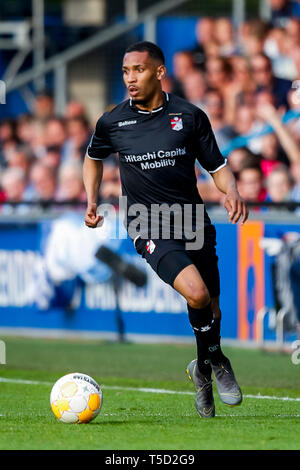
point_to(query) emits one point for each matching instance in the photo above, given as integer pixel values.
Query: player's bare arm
(92, 176)
(234, 204)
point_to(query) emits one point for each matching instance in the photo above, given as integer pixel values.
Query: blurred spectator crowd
(41, 157)
(247, 80)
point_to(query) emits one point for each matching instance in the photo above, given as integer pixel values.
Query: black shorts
(169, 257)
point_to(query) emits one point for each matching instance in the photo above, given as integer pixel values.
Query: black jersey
(157, 150)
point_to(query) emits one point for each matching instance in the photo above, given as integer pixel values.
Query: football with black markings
(76, 398)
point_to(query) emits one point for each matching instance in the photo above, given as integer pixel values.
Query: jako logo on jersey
(176, 123)
(150, 246)
(126, 123)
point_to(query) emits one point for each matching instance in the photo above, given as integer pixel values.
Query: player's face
(142, 75)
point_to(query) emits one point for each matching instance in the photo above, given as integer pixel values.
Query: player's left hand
(235, 207)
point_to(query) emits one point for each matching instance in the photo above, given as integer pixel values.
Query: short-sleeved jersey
(157, 150)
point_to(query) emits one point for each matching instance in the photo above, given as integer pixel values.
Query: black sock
(207, 333)
(214, 345)
(216, 334)
(201, 319)
(217, 326)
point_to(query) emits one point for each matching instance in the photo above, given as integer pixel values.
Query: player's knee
(199, 297)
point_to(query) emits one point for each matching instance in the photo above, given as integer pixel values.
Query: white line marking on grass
(255, 416)
(25, 382)
(271, 397)
(146, 390)
(175, 392)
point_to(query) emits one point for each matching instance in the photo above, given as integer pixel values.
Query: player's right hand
(91, 218)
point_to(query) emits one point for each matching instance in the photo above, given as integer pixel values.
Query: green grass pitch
(141, 410)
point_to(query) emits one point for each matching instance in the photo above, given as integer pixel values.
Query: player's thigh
(206, 262)
(190, 284)
(176, 268)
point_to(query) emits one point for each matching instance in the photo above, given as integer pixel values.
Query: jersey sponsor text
(161, 154)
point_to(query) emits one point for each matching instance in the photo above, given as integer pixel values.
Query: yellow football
(76, 398)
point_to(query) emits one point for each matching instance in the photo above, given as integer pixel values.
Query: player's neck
(154, 102)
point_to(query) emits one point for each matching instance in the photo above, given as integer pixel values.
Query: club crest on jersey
(150, 246)
(176, 123)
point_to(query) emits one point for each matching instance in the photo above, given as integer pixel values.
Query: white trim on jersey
(219, 168)
(134, 241)
(154, 110)
(92, 158)
(157, 109)
(89, 146)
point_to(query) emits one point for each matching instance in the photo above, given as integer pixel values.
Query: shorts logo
(176, 123)
(150, 246)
